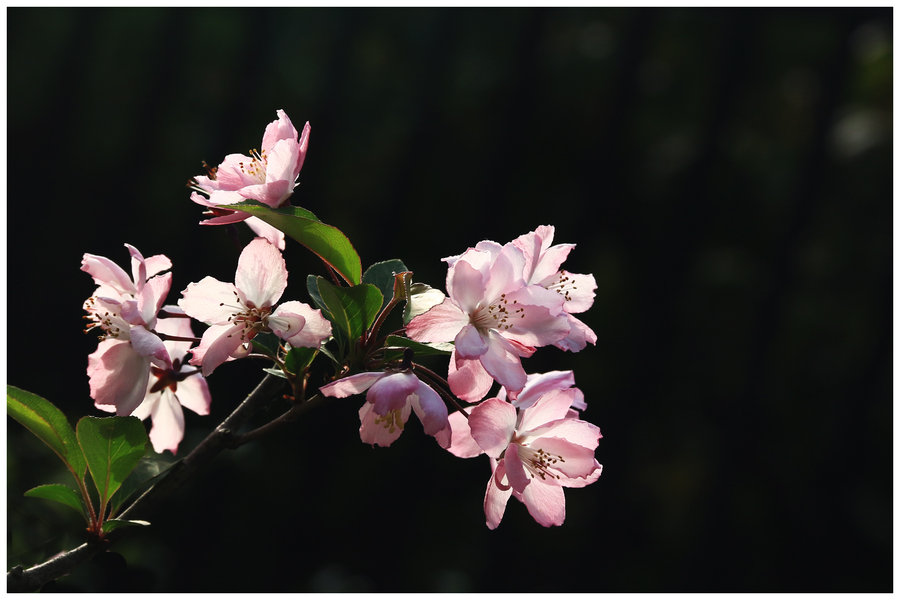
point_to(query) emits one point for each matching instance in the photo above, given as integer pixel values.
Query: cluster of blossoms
(502, 303)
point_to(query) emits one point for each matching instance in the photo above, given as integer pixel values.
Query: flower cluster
(502, 303)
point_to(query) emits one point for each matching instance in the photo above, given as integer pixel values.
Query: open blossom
(493, 318)
(237, 311)
(171, 387)
(542, 262)
(536, 452)
(537, 386)
(268, 175)
(390, 398)
(125, 309)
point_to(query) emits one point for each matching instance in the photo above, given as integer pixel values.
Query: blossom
(542, 262)
(237, 311)
(125, 309)
(493, 318)
(536, 452)
(268, 176)
(171, 388)
(390, 398)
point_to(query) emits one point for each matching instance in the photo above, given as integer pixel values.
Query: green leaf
(58, 493)
(420, 348)
(276, 372)
(112, 524)
(112, 446)
(312, 286)
(266, 343)
(299, 359)
(148, 469)
(326, 241)
(353, 309)
(381, 275)
(49, 424)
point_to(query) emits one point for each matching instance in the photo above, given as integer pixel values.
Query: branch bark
(19, 579)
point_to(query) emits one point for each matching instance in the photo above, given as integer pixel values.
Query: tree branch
(19, 579)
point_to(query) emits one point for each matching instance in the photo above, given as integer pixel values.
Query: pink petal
(231, 176)
(430, 409)
(106, 272)
(537, 319)
(261, 274)
(470, 343)
(496, 496)
(271, 193)
(505, 275)
(210, 301)
(264, 230)
(304, 146)
(168, 423)
(316, 328)
(118, 376)
(352, 385)
(150, 345)
(280, 129)
(577, 461)
(466, 286)
(193, 394)
(378, 430)
(580, 289)
(462, 444)
(178, 326)
(493, 424)
(217, 345)
(539, 384)
(392, 392)
(281, 161)
(519, 478)
(580, 335)
(440, 324)
(549, 408)
(546, 503)
(575, 431)
(285, 323)
(468, 379)
(502, 363)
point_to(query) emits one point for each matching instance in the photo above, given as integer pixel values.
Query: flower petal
(209, 300)
(430, 409)
(493, 424)
(496, 496)
(392, 392)
(468, 379)
(261, 274)
(381, 430)
(470, 343)
(462, 444)
(352, 385)
(546, 503)
(440, 323)
(264, 230)
(502, 363)
(168, 423)
(118, 376)
(316, 328)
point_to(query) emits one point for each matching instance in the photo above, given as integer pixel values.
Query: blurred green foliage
(726, 174)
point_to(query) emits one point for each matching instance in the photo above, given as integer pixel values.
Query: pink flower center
(251, 319)
(256, 168)
(539, 462)
(99, 315)
(563, 285)
(392, 421)
(498, 315)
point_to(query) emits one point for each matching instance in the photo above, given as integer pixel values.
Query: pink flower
(537, 452)
(125, 307)
(493, 318)
(171, 388)
(237, 312)
(268, 176)
(537, 386)
(390, 397)
(542, 262)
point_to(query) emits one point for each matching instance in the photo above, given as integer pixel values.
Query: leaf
(276, 372)
(266, 343)
(58, 493)
(112, 446)
(112, 524)
(421, 349)
(353, 309)
(298, 359)
(148, 469)
(312, 286)
(326, 241)
(49, 424)
(381, 275)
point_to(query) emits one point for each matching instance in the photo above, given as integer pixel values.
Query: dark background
(726, 174)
